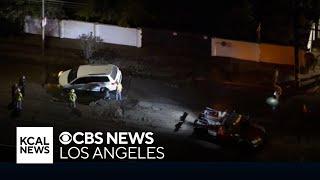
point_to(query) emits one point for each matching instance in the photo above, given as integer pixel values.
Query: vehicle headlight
(60, 73)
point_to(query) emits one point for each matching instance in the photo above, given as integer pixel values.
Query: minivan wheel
(102, 90)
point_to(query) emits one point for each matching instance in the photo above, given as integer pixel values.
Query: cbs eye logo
(65, 138)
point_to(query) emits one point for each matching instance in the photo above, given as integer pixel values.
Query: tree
(90, 44)
(312, 12)
(119, 12)
(14, 11)
(132, 13)
(238, 21)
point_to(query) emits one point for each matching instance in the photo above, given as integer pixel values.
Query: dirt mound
(106, 109)
(111, 109)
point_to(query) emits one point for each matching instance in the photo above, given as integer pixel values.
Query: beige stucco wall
(235, 49)
(268, 53)
(276, 54)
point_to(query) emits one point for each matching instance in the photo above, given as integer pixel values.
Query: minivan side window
(72, 74)
(100, 79)
(83, 80)
(86, 80)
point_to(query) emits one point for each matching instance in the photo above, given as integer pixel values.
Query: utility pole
(296, 13)
(43, 24)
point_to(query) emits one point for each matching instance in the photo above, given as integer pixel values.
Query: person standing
(119, 91)
(106, 95)
(14, 89)
(22, 84)
(72, 97)
(19, 99)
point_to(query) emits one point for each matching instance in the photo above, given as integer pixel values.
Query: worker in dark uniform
(22, 84)
(14, 89)
(106, 94)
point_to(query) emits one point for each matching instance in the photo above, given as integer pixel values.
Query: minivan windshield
(72, 74)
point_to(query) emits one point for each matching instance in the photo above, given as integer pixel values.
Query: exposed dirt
(156, 94)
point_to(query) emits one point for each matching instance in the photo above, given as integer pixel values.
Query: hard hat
(72, 90)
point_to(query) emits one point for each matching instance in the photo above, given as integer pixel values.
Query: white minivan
(96, 78)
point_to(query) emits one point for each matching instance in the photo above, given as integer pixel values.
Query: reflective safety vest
(19, 96)
(119, 87)
(72, 97)
(304, 108)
